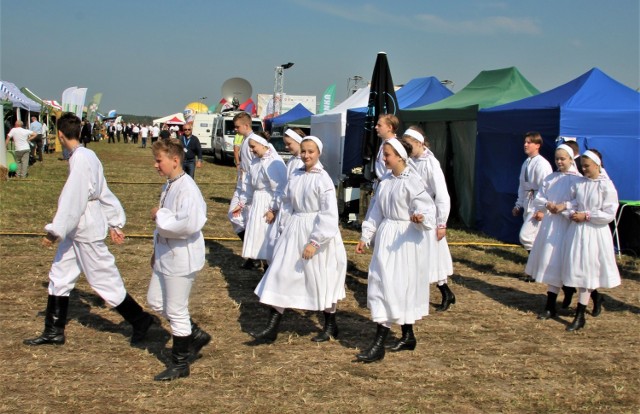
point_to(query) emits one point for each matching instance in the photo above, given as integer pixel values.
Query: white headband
(593, 156)
(293, 135)
(414, 134)
(259, 140)
(566, 148)
(314, 139)
(398, 147)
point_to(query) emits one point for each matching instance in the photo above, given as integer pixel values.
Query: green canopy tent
(451, 127)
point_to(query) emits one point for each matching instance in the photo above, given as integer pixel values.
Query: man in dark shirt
(192, 151)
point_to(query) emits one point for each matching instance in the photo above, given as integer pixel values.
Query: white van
(203, 128)
(224, 134)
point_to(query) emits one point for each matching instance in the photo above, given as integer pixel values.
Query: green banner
(327, 99)
(92, 109)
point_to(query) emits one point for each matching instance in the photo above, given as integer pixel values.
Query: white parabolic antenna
(236, 88)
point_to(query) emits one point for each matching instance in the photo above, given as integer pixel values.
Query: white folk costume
(246, 157)
(309, 214)
(589, 260)
(396, 292)
(263, 189)
(428, 168)
(86, 210)
(178, 251)
(294, 163)
(534, 170)
(545, 261)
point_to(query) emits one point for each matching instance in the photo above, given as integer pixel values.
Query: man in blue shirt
(36, 127)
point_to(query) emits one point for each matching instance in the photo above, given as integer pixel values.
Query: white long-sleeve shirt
(179, 244)
(533, 172)
(86, 206)
(428, 168)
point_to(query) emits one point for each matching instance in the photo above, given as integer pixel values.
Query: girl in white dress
(399, 219)
(545, 261)
(309, 263)
(428, 168)
(589, 261)
(292, 139)
(263, 189)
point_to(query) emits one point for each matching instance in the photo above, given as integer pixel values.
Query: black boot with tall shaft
(199, 339)
(375, 352)
(568, 295)
(140, 320)
(330, 329)
(55, 320)
(579, 321)
(597, 302)
(550, 309)
(179, 365)
(448, 298)
(270, 333)
(407, 342)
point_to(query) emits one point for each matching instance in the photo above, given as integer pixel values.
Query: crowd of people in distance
(286, 216)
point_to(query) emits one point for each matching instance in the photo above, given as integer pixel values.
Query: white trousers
(95, 261)
(169, 296)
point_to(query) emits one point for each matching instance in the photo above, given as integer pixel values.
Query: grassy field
(487, 354)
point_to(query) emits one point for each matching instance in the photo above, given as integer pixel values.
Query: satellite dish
(236, 88)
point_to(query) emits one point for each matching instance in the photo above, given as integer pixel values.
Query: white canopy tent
(177, 118)
(330, 127)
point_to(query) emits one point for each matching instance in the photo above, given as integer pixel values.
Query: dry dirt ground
(487, 354)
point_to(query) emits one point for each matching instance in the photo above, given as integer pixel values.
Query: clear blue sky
(154, 57)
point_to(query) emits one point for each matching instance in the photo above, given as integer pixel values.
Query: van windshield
(229, 129)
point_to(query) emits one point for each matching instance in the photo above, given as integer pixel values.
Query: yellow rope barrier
(235, 239)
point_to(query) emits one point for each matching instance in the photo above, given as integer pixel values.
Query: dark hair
(595, 151)
(534, 137)
(69, 124)
(574, 146)
(172, 147)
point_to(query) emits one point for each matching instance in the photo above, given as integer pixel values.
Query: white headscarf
(260, 140)
(293, 135)
(314, 139)
(594, 157)
(397, 145)
(414, 134)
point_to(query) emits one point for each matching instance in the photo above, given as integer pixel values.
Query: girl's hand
(154, 212)
(441, 233)
(237, 211)
(417, 218)
(361, 247)
(117, 236)
(269, 216)
(309, 251)
(538, 215)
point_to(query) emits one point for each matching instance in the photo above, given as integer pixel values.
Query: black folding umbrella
(382, 100)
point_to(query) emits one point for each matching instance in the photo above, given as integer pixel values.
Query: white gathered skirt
(259, 237)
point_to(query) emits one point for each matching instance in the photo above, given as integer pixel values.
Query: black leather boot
(250, 264)
(579, 321)
(376, 351)
(448, 298)
(55, 320)
(179, 366)
(140, 320)
(199, 339)
(241, 235)
(270, 333)
(330, 329)
(407, 342)
(568, 295)
(597, 302)
(550, 310)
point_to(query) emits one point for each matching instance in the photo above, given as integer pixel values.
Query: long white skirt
(545, 260)
(293, 282)
(439, 263)
(260, 237)
(397, 292)
(588, 257)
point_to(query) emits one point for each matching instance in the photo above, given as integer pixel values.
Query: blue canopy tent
(294, 114)
(596, 109)
(417, 92)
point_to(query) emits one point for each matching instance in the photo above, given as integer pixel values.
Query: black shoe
(448, 298)
(330, 329)
(376, 351)
(199, 339)
(54, 322)
(550, 308)
(407, 342)
(179, 366)
(270, 333)
(140, 320)
(597, 302)
(579, 321)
